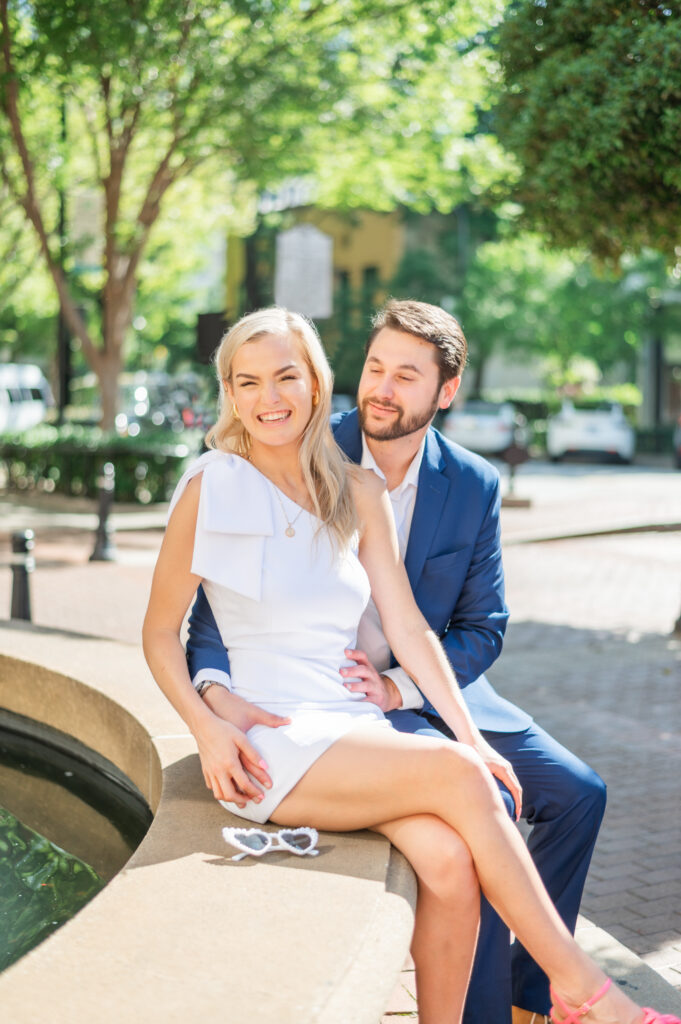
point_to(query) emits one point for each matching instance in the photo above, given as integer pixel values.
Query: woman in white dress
(288, 541)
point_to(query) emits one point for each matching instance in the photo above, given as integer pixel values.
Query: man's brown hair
(430, 323)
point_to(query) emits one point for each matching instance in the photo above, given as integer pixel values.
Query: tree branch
(163, 178)
(89, 119)
(29, 200)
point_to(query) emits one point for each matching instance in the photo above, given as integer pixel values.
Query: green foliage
(69, 460)
(376, 102)
(591, 108)
(28, 304)
(41, 887)
(564, 307)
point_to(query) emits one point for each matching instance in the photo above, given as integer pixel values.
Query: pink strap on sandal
(650, 1016)
(574, 1015)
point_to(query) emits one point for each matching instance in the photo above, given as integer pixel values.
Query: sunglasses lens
(254, 840)
(299, 841)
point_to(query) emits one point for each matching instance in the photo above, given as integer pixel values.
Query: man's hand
(243, 715)
(379, 690)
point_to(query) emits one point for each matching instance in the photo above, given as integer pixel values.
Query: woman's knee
(446, 868)
(459, 765)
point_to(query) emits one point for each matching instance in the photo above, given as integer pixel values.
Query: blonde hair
(322, 463)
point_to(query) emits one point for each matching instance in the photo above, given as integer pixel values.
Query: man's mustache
(382, 405)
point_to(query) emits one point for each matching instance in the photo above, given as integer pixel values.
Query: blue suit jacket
(453, 561)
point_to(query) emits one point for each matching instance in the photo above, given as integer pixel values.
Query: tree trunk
(118, 300)
(108, 372)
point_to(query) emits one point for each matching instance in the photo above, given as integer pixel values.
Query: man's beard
(400, 427)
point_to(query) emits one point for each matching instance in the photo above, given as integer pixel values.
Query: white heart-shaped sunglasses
(255, 841)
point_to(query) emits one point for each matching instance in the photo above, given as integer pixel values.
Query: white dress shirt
(370, 636)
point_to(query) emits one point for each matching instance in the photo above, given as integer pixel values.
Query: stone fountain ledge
(183, 933)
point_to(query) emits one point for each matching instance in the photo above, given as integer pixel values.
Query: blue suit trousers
(563, 803)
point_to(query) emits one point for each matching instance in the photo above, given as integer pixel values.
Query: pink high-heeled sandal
(650, 1016)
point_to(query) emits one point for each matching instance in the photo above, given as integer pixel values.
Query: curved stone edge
(633, 975)
(178, 935)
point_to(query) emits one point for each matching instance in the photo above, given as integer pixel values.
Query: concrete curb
(540, 537)
(637, 979)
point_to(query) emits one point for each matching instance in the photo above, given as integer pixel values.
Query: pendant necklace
(289, 531)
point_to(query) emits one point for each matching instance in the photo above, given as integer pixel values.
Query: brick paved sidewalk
(589, 654)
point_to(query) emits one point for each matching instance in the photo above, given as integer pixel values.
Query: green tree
(520, 298)
(345, 90)
(591, 109)
(27, 302)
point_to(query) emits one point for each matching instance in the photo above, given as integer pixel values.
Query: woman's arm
(222, 747)
(411, 639)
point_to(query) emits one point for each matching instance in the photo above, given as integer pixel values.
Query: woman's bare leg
(447, 913)
(370, 777)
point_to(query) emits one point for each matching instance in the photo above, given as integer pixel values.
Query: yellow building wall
(361, 239)
(234, 274)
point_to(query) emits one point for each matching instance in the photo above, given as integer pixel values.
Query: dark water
(69, 821)
(41, 886)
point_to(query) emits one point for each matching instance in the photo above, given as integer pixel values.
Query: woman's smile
(274, 417)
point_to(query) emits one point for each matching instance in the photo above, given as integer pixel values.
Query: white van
(25, 396)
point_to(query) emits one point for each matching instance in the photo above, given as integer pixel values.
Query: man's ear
(447, 392)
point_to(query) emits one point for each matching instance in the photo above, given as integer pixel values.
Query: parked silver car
(602, 430)
(486, 427)
(25, 396)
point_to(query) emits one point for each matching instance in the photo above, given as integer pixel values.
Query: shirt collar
(411, 477)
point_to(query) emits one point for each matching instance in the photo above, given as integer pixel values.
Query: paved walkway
(588, 652)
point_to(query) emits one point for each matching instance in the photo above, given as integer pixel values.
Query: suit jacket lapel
(430, 499)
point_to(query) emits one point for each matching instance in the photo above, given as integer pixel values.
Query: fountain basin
(182, 932)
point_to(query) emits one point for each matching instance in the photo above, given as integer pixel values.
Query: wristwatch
(205, 683)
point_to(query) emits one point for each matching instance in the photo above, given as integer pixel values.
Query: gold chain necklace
(289, 531)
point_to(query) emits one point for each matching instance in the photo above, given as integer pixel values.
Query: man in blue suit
(446, 503)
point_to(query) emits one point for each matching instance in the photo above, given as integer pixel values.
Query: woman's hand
(238, 711)
(226, 755)
(501, 769)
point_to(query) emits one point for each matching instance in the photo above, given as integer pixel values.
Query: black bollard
(23, 563)
(105, 549)
(514, 456)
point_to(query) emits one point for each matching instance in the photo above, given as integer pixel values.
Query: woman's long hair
(321, 460)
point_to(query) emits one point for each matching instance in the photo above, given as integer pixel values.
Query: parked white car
(486, 427)
(25, 396)
(601, 429)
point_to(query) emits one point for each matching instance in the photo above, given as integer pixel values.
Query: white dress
(286, 609)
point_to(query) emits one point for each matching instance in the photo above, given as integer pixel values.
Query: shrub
(69, 460)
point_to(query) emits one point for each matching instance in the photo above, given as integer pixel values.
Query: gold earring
(315, 398)
(235, 413)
